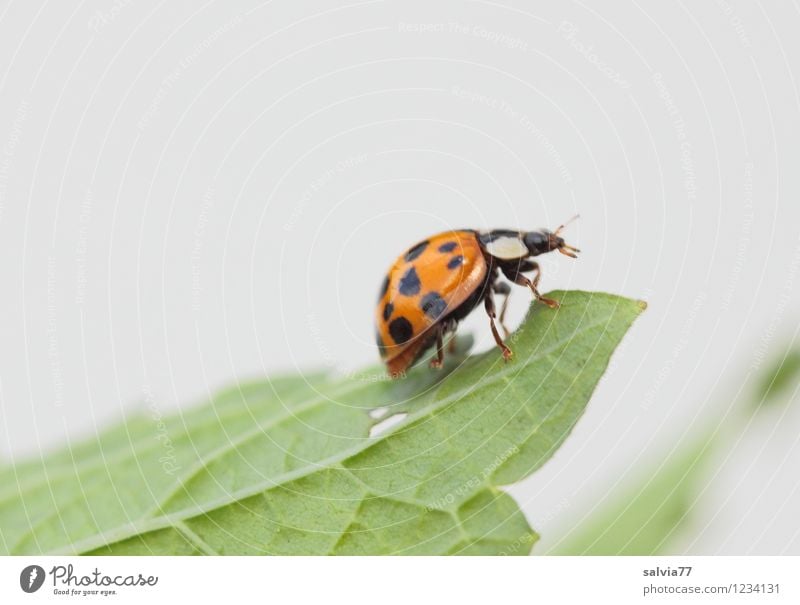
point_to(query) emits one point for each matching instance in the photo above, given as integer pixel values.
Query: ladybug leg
(504, 290)
(515, 274)
(437, 361)
(451, 327)
(489, 304)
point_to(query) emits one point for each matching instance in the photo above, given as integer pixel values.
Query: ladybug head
(544, 240)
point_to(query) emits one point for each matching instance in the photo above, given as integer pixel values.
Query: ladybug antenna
(561, 227)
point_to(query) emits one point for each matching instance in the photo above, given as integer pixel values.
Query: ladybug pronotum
(439, 281)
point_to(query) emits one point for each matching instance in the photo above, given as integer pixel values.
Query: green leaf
(643, 517)
(288, 465)
(780, 377)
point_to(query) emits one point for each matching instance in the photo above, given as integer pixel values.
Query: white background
(194, 193)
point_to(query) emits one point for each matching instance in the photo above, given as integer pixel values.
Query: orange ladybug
(439, 281)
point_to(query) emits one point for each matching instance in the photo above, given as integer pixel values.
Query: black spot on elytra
(387, 311)
(416, 251)
(433, 305)
(384, 287)
(455, 262)
(401, 330)
(448, 247)
(409, 283)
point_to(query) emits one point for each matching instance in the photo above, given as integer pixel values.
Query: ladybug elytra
(439, 281)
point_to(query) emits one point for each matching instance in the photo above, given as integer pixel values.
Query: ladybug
(439, 281)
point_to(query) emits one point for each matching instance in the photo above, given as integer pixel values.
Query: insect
(439, 281)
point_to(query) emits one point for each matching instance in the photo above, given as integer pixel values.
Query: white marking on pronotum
(507, 247)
